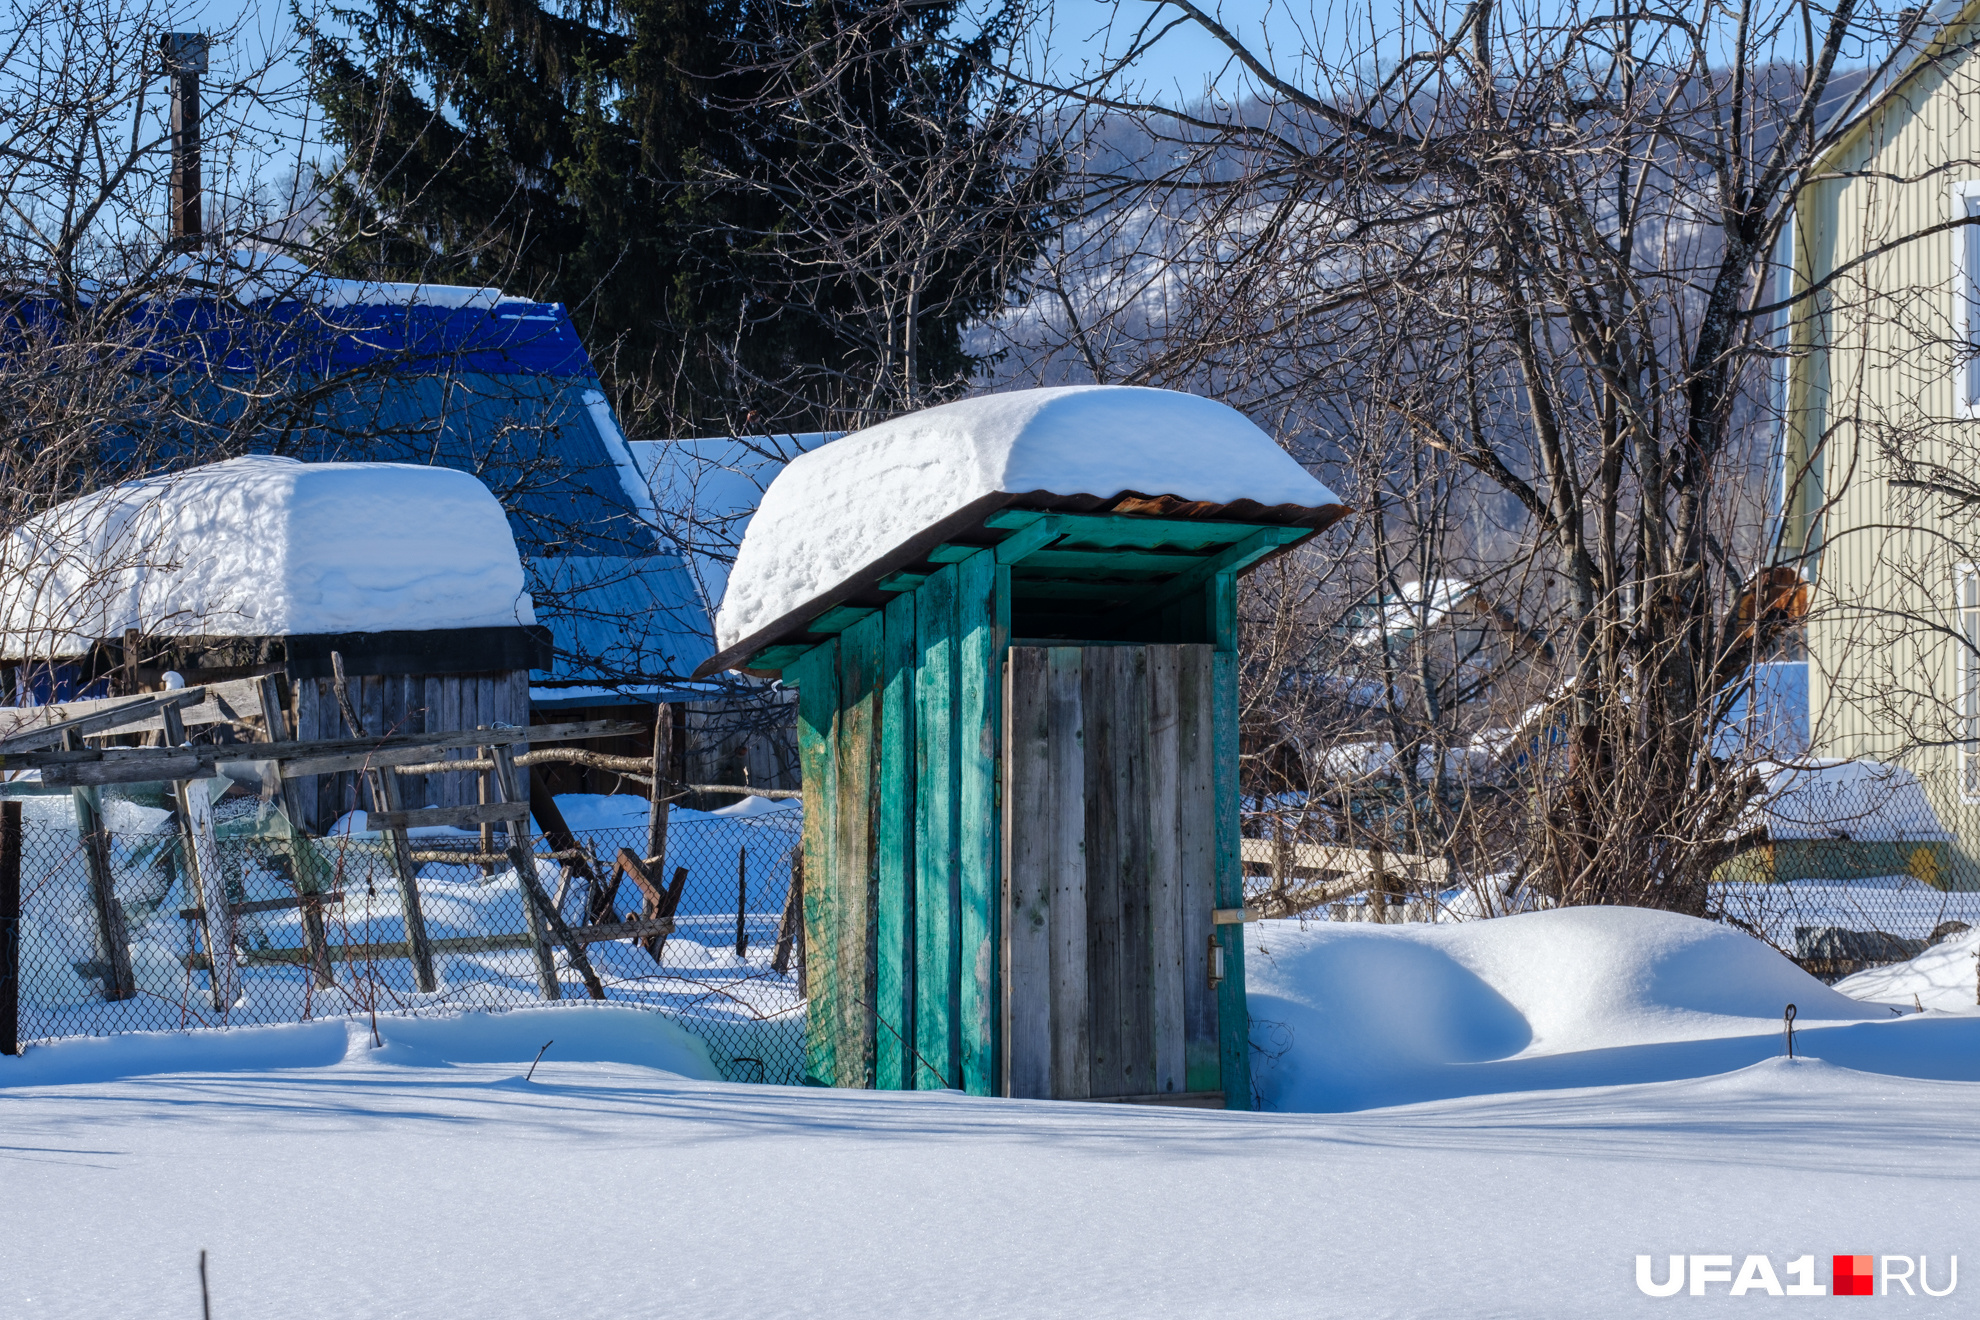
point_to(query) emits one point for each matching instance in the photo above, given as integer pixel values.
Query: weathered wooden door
(1110, 823)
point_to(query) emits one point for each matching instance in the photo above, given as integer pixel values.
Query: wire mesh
(713, 974)
(1842, 866)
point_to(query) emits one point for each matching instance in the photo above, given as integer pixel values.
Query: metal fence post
(10, 927)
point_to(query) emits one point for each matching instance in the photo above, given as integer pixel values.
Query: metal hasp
(1021, 812)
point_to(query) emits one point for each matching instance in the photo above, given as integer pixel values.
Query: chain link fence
(1841, 865)
(144, 962)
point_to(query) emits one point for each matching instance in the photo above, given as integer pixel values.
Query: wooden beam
(480, 813)
(303, 862)
(1084, 531)
(840, 619)
(1029, 540)
(534, 899)
(267, 905)
(115, 715)
(140, 765)
(418, 948)
(633, 928)
(1233, 560)
(112, 934)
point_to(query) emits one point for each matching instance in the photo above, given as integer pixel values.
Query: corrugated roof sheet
(503, 391)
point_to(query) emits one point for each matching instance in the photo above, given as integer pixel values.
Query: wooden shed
(267, 566)
(1018, 721)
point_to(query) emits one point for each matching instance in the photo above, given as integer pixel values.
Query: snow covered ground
(1534, 1101)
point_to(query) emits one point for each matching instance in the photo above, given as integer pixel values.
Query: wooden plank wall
(1081, 798)
(405, 703)
(898, 724)
(1112, 859)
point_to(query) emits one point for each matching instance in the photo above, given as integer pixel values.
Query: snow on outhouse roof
(847, 510)
(263, 547)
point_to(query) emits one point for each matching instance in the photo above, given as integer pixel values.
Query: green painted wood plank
(1235, 559)
(979, 692)
(1084, 531)
(1011, 520)
(952, 554)
(1028, 540)
(854, 874)
(1233, 1015)
(778, 657)
(936, 893)
(1220, 615)
(903, 582)
(1127, 560)
(839, 618)
(816, 677)
(894, 985)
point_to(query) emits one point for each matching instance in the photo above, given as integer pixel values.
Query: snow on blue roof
(471, 379)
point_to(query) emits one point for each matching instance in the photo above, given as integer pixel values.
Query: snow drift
(580, 1033)
(842, 506)
(1350, 1016)
(263, 546)
(1945, 976)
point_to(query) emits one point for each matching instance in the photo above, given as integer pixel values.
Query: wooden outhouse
(1012, 624)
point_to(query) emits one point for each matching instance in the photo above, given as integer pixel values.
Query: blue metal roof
(502, 389)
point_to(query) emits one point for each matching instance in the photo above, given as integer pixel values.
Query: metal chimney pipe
(185, 61)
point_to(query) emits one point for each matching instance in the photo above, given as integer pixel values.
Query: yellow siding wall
(1879, 366)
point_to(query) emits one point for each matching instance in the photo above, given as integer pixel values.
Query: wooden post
(663, 761)
(185, 61)
(302, 861)
(657, 902)
(385, 796)
(209, 881)
(10, 927)
(130, 665)
(1378, 889)
(484, 796)
(792, 925)
(550, 820)
(112, 936)
(521, 857)
(742, 899)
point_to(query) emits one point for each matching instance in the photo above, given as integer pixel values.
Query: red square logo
(1853, 1276)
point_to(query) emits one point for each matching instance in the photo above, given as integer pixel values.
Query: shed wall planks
(1165, 897)
(1018, 851)
(937, 891)
(854, 873)
(1233, 1022)
(894, 902)
(1032, 866)
(979, 692)
(1064, 820)
(816, 676)
(1196, 862)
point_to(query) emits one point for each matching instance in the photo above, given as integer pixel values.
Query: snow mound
(580, 1033)
(839, 508)
(1348, 1015)
(1945, 976)
(263, 546)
